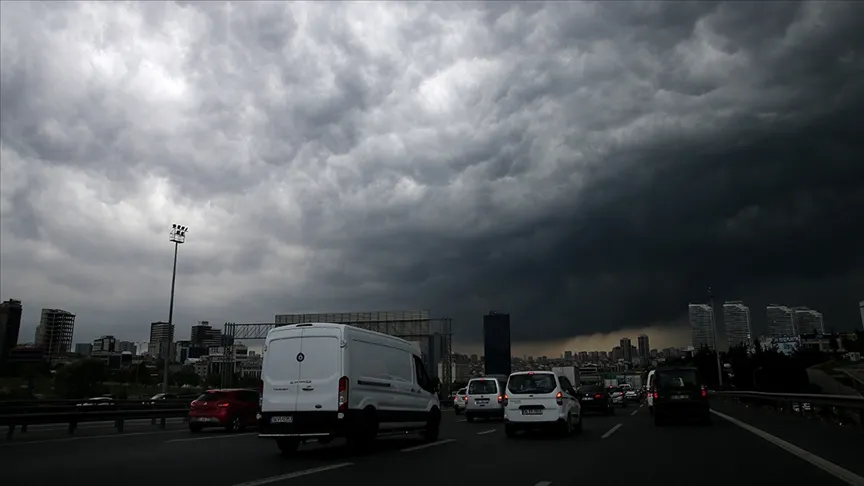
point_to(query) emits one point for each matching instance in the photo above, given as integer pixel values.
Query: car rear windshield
(481, 387)
(462, 391)
(213, 397)
(530, 384)
(677, 378)
(593, 389)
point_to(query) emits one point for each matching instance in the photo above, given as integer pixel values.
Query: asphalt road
(626, 446)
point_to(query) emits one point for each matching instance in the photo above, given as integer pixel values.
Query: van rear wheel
(363, 431)
(433, 426)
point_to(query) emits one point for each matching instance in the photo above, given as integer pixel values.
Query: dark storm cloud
(588, 167)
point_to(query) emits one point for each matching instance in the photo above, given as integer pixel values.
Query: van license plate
(532, 411)
(284, 419)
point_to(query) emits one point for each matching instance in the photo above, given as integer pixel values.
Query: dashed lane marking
(293, 475)
(462, 420)
(611, 431)
(844, 475)
(431, 444)
(486, 432)
(211, 437)
(634, 412)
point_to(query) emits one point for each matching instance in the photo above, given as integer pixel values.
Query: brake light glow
(465, 398)
(599, 395)
(343, 394)
(656, 395)
(559, 398)
(222, 404)
(504, 400)
(704, 392)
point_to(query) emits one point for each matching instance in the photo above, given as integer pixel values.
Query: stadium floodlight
(178, 237)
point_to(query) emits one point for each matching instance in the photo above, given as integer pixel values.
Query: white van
(485, 397)
(650, 388)
(322, 381)
(541, 400)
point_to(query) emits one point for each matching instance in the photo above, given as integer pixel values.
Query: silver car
(459, 400)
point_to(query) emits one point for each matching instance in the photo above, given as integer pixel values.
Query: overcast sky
(590, 168)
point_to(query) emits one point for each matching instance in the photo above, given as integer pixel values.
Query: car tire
(363, 431)
(195, 428)
(509, 431)
(578, 428)
(469, 417)
(457, 410)
(287, 446)
(433, 426)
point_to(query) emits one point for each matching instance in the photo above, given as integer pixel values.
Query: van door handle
(308, 388)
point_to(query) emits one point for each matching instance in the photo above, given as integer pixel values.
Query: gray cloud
(589, 167)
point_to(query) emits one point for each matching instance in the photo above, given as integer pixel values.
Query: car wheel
(195, 428)
(509, 431)
(457, 410)
(468, 417)
(287, 446)
(364, 431)
(433, 426)
(236, 425)
(578, 428)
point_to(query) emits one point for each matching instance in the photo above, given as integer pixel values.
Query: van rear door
(280, 373)
(320, 370)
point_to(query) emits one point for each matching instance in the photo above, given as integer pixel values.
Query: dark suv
(678, 393)
(232, 409)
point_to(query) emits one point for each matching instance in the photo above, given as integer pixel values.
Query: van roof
(538, 372)
(342, 327)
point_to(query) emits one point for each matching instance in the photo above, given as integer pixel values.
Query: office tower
(496, 343)
(104, 344)
(702, 326)
(736, 320)
(626, 351)
(161, 339)
(644, 349)
(781, 321)
(54, 333)
(10, 326)
(809, 321)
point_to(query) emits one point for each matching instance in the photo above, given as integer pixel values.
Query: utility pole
(177, 236)
(714, 332)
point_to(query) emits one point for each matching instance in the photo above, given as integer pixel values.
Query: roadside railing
(842, 409)
(20, 413)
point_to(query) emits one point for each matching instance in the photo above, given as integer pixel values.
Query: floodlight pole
(716, 344)
(177, 236)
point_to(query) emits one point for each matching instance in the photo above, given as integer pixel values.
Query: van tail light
(656, 395)
(704, 392)
(504, 400)
(500, 398)
(559, 398)
(343, 394)
(223, 404)
(465, 398)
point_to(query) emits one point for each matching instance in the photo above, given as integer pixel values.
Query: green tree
(81, 379)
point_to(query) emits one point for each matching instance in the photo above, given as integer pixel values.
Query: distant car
(97, 401)
(617, 397)
(678, 394)
(595, 398)
(631, 395)
(232, 409)
(159, 397)
(540, 400)
(459, 400)
(649, 387)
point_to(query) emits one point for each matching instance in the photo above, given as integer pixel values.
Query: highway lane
(626, 445)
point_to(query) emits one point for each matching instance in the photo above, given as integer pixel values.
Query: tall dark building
(10, 326)
(496, 343)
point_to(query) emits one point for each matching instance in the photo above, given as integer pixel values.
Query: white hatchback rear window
(531, 384)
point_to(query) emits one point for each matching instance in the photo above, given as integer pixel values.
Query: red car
(232, 409)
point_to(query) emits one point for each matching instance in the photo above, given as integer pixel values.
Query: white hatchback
(541, 400)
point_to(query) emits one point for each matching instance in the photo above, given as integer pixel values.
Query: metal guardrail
(844, 408)
(73, 412)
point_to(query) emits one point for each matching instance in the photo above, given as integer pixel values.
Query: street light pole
(177, 236)
(714, 332)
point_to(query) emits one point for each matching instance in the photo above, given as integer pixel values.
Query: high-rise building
(496, 343)
(644, 349)
(702, 325)
(568, 355)
(104, 344)
(809, 321)
(54, 333)
(626, 352)
(781, 321)
(204, 336)
(10, 326)
(161, 339)
(736, 320)
(83, 349)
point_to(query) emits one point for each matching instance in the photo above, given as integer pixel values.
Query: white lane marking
(543, 483)
(211, 437)
(431, 444)
(486, 432)
(463, 420)
(293, 475)
(642, 405)
(70, 439)
(611, 431)
(634, 412)
(847, 476)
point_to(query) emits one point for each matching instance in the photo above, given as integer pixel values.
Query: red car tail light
(559, 398)
(343, 394)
